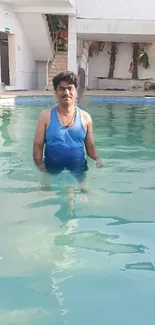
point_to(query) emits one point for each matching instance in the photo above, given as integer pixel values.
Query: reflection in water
(121, 221)
(19, 190)
(153, 123)
(131, 124)
(69, 208)
(137, 122)
(67, 198)
(140, 266)
(4, 124)
(98, 242)
(111, 121)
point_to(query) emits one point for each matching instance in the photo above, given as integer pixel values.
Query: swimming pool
(86, 258)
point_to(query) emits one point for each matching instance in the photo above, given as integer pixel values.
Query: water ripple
(98, 242)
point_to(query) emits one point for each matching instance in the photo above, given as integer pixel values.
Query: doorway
(4, 57)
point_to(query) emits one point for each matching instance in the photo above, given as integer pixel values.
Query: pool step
(60, 63)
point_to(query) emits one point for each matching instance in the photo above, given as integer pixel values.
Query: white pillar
(72, 44)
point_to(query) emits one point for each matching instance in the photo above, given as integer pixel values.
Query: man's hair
(68, 76)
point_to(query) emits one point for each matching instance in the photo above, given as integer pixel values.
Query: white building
(30, 46)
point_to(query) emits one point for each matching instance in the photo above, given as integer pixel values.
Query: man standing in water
(66, 131)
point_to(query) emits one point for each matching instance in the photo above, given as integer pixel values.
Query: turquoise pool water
(73, 258)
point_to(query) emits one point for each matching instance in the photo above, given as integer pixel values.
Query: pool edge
(98, 97)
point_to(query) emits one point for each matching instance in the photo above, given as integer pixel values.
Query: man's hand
(89, 144)
(38, 144)
(99, 163)
(41, 167)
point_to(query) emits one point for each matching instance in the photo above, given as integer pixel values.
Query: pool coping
(96, 93)
(47, 98)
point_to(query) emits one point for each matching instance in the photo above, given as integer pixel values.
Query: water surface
(79, 258)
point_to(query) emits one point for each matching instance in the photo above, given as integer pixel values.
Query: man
(66, 131)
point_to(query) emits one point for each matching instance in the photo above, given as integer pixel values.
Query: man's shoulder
(44, 116)
(46, 112)
(85, 115)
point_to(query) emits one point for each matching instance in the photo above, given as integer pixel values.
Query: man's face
(66, 93)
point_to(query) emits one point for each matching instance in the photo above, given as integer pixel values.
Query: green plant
(143, 60)
(140, 57)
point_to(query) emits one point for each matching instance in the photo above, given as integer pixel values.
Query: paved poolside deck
(36, 93)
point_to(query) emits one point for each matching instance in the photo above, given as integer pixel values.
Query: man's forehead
(65, 84)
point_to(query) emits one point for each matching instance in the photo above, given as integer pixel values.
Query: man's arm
(38, 144)
(90, 145)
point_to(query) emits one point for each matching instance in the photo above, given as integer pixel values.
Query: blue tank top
(64, 146)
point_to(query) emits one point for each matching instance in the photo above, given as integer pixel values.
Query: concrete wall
(23, 66)
(72, 44)
(36, 31)
(99, 65)
(41, 71)
(116, 20)
(116, 9)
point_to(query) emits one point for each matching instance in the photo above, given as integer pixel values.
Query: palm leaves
(95, 48)
(140, 57)
(143, 58)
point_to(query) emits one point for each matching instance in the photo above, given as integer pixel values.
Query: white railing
(50, 59)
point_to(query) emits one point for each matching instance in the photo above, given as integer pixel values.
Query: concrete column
(72, 44)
